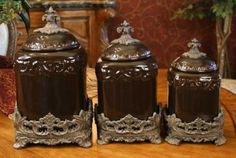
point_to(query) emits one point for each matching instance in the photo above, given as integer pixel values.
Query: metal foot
(104, 141)
(172, 140)
(220, 141)
(156, 140)
(86, 144)
(19, 144)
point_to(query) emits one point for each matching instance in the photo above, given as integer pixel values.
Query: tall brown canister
(194, 113)
(52, 104)
(127, 105)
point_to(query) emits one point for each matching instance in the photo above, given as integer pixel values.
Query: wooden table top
(138, 150)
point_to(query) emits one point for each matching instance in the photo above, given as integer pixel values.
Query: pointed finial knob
(194, 51)
(52, 19)
(51, 16)
(194, 44)
(125, 28)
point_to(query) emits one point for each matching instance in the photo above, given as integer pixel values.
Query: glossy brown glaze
(42, 42)
(194, 84)
(51, 72)
(51, 83)
(191, 97)
(127, 88)
(126, 74)
(130, 52)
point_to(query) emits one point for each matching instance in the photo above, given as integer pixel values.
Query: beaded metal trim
(50, 130)
(196, 131)
(128, 129)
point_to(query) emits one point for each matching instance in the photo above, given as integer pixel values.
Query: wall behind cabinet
(167, 39)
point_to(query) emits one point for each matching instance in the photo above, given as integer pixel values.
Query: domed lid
(51, 37)
(194, 61)
(126, 48)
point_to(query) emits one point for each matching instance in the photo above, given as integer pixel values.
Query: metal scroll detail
(138, 73)
(50, 130)
(125, 38)
(183, 66)
(141, 72)
(196, 131)
(128, 129)
(206, 82)
(26, 64)
(194, 52)
(52, 19)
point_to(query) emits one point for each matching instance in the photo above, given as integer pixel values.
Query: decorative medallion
(197, 131)
(51, 130)
(128, 129)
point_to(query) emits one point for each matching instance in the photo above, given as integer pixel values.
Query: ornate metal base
(196, 131)
(128, 129)
(50, 130)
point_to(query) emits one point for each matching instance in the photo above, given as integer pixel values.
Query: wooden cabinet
(87, 20)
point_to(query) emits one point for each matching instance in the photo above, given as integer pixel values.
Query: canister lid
(51, 37)
(194, 61)
(126, 48)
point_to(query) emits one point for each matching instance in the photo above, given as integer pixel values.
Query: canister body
(193, 95)
(127, 88)
(51, 82)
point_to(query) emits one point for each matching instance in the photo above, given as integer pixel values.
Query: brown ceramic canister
(193, 110)
(194, 84)
(126, 74)
(51, 86)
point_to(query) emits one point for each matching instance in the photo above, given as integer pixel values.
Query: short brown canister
(193, 111)
(52, 104)
(127, 106)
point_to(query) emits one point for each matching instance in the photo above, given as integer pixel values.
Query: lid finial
(125, 29)
(52, 19)
(194, 51)
(51, 16)
(194, 45)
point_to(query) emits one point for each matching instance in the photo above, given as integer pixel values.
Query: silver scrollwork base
(128, 129)
(50, 130)
(197, 131)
